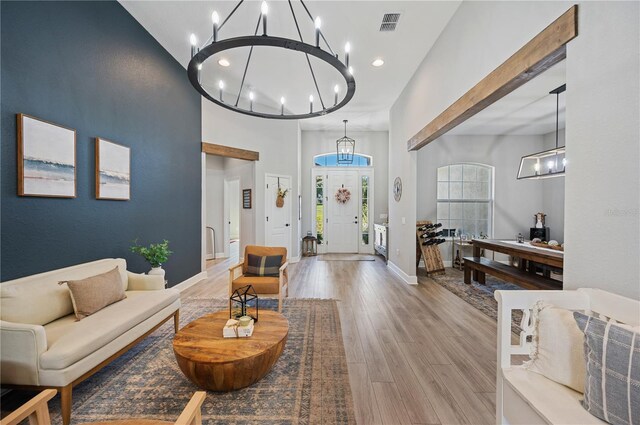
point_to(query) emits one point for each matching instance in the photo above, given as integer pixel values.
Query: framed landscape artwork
(113, 170)
(46, 158)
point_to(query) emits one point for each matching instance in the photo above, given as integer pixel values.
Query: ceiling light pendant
(214, 46)
(345, 147)
(549, 163)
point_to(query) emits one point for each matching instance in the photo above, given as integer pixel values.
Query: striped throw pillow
(264, 266)
(612, 384)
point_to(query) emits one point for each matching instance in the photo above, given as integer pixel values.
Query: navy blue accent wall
(91, 66)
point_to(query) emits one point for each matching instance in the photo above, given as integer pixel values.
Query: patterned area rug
(478, 295)
(308, 385)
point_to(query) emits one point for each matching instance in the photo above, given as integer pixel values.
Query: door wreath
(280, 198)
(343, 195)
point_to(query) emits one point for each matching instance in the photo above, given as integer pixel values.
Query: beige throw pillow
(95, 293)
(558, 343)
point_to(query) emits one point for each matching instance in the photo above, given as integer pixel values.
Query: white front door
(343, 218)
(278, 219)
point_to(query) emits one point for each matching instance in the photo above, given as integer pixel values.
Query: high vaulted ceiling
(274, 73)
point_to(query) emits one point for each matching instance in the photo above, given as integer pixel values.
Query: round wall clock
(397, 189)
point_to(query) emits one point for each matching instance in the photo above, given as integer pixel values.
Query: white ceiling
(274, 73)
(528, 110)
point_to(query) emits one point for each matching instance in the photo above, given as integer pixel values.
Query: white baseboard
(411, 280)
(293, 260)
(191, 281)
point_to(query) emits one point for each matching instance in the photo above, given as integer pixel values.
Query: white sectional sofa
(526, 397)
(42, 344)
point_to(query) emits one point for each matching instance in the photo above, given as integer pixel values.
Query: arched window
(465, 199)
(331, 160)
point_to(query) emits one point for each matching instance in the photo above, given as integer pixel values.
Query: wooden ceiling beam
(229, 152)
(541, 53)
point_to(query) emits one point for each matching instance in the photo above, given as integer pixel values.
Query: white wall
(373, 143)
(234, 209)
(277, 143)
(602, 221)
(515, 201)
(214, 195)
(243, 171)
(602, 124)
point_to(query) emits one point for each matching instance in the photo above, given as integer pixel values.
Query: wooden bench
(480, 266)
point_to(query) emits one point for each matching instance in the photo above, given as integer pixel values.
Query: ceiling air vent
(389, 22)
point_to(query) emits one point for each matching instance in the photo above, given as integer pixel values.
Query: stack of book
(233, 329)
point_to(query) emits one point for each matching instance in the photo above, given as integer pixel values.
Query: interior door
(342, 218)
(278, 220)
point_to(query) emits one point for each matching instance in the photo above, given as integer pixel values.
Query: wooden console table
(528, 279)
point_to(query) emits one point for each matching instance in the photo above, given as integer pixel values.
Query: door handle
(356, 222)
(287, 224)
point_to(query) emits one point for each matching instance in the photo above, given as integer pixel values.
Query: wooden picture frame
(46, 156)
(113, 170)
(246, 199)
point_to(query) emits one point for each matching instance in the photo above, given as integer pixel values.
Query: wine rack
(430, 253)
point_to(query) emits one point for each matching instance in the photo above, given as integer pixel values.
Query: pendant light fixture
(345, 147)
(549, 163)
(242, 101)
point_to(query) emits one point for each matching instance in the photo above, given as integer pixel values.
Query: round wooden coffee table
(226, 364)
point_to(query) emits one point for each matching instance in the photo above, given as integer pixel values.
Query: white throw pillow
(558, 346)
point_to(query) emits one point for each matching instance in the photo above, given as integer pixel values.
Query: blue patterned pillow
(612, 384)
(264, 266)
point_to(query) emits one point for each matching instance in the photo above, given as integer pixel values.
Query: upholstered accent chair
(264, 285)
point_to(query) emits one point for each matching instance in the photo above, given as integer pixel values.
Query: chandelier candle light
(214, 45)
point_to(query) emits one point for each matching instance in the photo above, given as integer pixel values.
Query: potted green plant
(156, 254)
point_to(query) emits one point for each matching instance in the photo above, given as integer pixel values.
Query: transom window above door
(331, 160)
(465, 199)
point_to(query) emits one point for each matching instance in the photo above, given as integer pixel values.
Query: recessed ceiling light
(377, 63)
(224, 62)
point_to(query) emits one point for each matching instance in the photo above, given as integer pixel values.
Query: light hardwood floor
(416, 354)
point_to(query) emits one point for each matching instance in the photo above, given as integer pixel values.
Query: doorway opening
(232, 217)
(279, 202)
(227, 224)
(342, 208)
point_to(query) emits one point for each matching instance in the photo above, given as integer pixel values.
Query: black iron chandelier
(345, 147)
(243, 102)
(549, 163)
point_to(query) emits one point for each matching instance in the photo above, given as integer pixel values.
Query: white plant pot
(156, 271)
